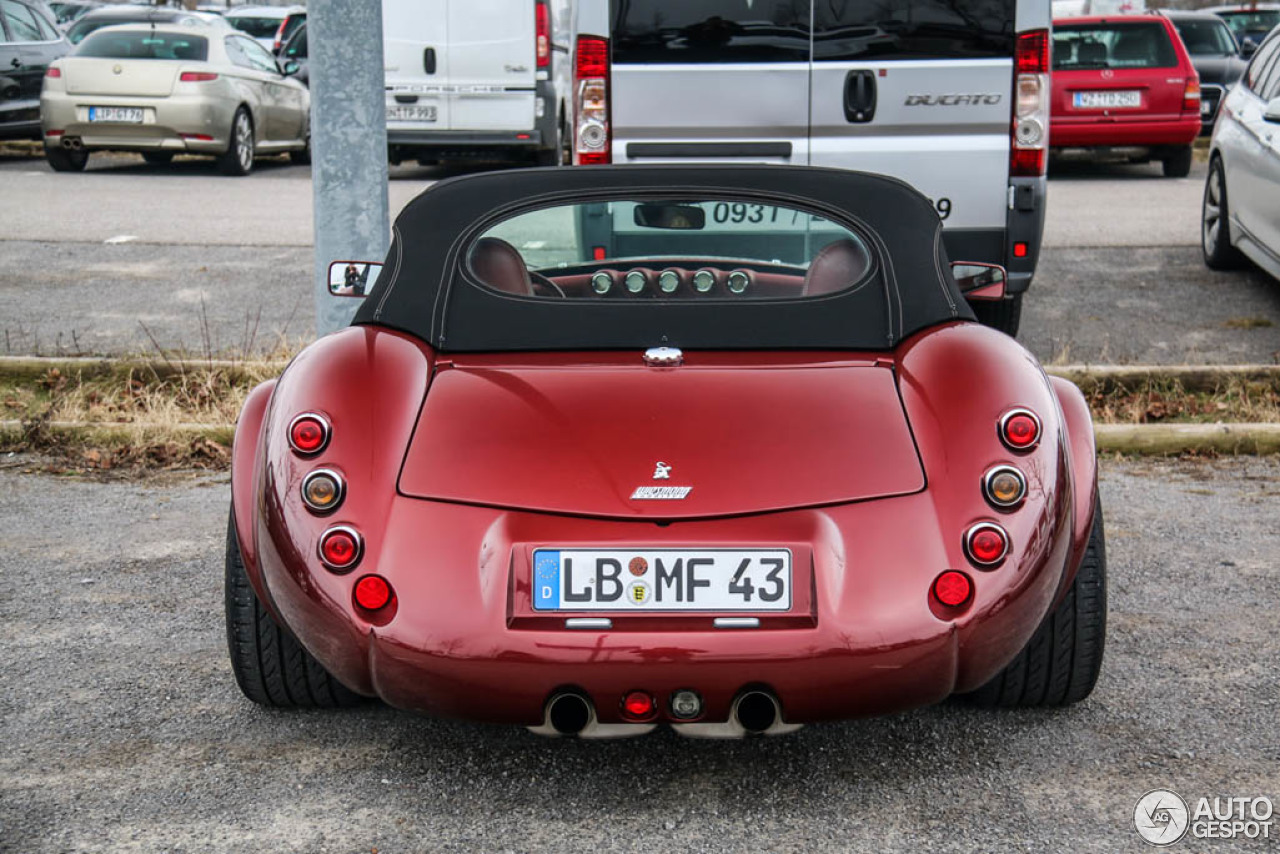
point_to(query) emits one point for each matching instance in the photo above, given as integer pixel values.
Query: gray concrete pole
(348, 145)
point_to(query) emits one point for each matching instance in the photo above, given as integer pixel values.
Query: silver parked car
(168, 90)
(1241, 211)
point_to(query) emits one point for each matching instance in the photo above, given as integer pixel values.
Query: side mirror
(1272, 112)
(979, 281)
(352, 278)
(1248, 48)
(290, 68)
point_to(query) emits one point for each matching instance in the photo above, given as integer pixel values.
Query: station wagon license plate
(662, 579)
(1117, 99)
(132, 115)
(411, 114)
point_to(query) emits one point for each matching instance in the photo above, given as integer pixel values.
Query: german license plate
(411, 114)
(1112, 99)
(116, 114)
(662, 579)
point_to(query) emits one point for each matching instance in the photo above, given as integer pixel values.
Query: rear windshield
(710, 31)
(259, 28)
(1112, 45)
(110, 44)
(1257, 21)
(1206, 38)
(913, 29)
(676, 249)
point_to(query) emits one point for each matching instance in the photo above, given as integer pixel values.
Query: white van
(951, 96)
(476, 78)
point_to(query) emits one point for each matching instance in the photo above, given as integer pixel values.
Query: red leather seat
(500, 265)
(838, 266)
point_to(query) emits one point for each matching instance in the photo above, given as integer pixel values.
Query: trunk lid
(140, 78)
(592, 439)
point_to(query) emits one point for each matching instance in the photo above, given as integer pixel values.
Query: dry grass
(1156, 401)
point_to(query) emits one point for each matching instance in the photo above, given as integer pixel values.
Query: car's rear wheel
(302, 156)
(1177, 163)
(1215, 229)
(66, 159)
(270, 666)
(1061, 662)
(238, 158)
(1005, 314)
(157, 157)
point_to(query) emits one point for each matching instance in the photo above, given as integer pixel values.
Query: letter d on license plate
(662, 579)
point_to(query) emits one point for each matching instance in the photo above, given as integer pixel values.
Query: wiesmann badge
(661, 471)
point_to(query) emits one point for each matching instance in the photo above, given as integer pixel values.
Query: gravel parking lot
(211, 263)
(123, 730)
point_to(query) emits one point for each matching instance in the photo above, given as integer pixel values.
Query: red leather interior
(835, 268)
(499, 265)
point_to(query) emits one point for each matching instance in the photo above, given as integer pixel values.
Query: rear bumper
(1117, 134)
(167, 122)
(462, 641)
(462, 142)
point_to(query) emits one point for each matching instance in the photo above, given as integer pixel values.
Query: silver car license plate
(1107, 100)
(662, 579)
(411, 114)
(132, 115)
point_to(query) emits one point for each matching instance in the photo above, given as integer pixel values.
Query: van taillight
(1191, 95)
(543, 19)
(1029, 134)
(591, 136)
(279, 39)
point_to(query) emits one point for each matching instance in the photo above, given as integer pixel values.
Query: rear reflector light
(1020, 429)
(308, 433)
(953, 588)
(1004, 486)
(542, 20)
(53, 72)
(323, 490)
(591, 133)
(638, 705)
(373, 593)
(1019, 250)
(340, 548)
(1028, 136)
(197, 137)
(197, 76)
(53, 133)
(1191, 95)
(986, 544)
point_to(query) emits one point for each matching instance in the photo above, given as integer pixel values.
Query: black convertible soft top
(428, 291)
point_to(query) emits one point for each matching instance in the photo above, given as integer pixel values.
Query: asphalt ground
(200, 262)
(123, 729)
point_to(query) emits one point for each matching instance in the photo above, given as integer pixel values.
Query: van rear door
(920, 90)
(491, 64)
(710, 80)
(415, 39)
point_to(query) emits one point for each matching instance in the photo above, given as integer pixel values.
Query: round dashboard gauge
(634, 281)
(601, 282)
(668, 281)
(703, 280)
(738, 281)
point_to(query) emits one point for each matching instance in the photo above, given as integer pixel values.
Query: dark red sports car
(716, 447)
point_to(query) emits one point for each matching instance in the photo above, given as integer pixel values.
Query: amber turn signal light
(323, 490)
(1004, 487)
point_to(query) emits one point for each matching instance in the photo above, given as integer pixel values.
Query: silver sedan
(174, 89)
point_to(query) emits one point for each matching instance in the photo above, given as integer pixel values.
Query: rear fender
(1083, 459)
(246, 459)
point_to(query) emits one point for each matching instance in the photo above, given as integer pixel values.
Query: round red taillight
(953, 588)
(373, 592)
(638, 705)
(986, 544)
(308, 433)
(340, 548)
(1020, 429)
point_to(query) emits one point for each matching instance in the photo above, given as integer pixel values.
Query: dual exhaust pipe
(72, 142)
(754, 712)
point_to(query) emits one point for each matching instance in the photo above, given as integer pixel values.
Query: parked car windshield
(1112, 45)
(701, 249)
(254, 25)
(144, 44)
(1206, 38)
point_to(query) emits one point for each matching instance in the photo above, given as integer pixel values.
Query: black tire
(1005, 314)
(302, 157)
(158, 157)
(237, 160)
(1215, 240)
(1177, 164)
(270, 666)
(66, 159)
(1060, 664)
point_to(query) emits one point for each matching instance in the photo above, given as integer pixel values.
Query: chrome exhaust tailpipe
(72, 142)
(756, 712)
(568, 714)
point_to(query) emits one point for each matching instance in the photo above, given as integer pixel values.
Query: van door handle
(15, 62)
(860, 96)
(429, 60)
